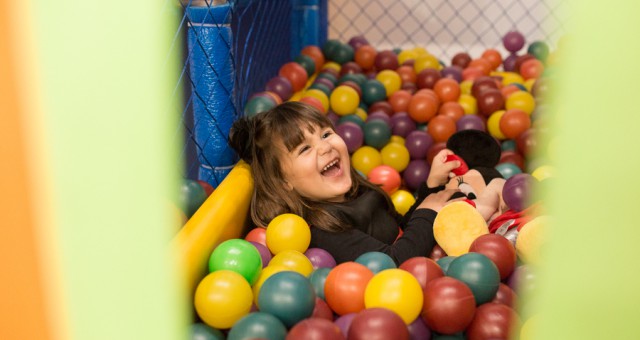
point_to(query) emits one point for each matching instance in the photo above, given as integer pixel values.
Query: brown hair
(258, 141)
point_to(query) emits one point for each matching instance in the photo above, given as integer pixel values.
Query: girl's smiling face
(319, 167)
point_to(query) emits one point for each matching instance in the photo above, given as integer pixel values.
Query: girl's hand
(441, 169)
(439, 199)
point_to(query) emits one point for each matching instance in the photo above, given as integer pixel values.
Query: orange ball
(345, 286)
(407, 74)
(509, 90)
(441, 128)
(422, 108)
(399, 100)
(315, 53)
(471, 73)
(295, 73)
(451, 109)
(365, 56)
(531, 69)
(493, 57)
(481, 64)
(447, 89)
(514, 122)
(430, 93)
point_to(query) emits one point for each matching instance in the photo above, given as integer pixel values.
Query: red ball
(313, 101)
(322, 310)
(208, 188)
(514, 122)
(434, 149)
(482, 83)
(505, 296)
(377, 324)
(258, 235)
(381, 106)
(493, 321)
(509, 156)
(437, 253)
(295, 73)
(315, 53)
(387, 177)
(531, 68)
(526, 142)
(353, 85)
(407, 74)
(315, 329)
(427, 78)
(422, 268)
(441, 128)
(461, 60)
(520, 60)
(499, 250)
(449, 305)
(386, 60)
(350, 67)
(490, 101)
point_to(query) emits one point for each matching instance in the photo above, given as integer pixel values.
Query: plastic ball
(513, 41)
(342, 54)
(386, 60)
(396, 290)
(344, 322)
(316, 54)
(222, 298)
(520, 60)
(239, 256)
(320, 258)
(288, 232)
(396, 156)
(527, 142)
(479, 273)
(307, 63)
(480, 64)
(493, 321)
(514, 122)
(380, 115)
(427, 78)
(418, 330)
(418, 143)
(499, 250)
(531, 69)
(353, 118)
(373, 91)
(352, 135)
(265, 253)
(315, 328)
(402, 201)
(423, 269)
(376, 133)
(416, 173)
(344, 100)
(358, 41)
(449, 305)
(493, 56)
(407, 74)
(402, 124)
(539, 49)
(294, 261)
(468, 103)
(426, 61)
(517, 190)
(315, 102)
(258, 235)
(422, 108)
(345, 286)
(191, 197)
(437, 253)
(258, 325)
(441, 128)
(376, 261)
(451, 109)
(444, 262)
(289, 296)
(280, 86)
(522, 100)
(531, 240)
(350, 67)
(266, 273)
(508, 169)
(365, 159)
(383, 106)
(490, 101)
(377, 323)
(387, 177)
(543, 172)
(433, 151)
(508, 64)
(318, 278)
(447, 89)
(390, 80)
(202, 331)
(365, 56)
(505, 296)
(470, 122)
(295, 73)
(512, 157)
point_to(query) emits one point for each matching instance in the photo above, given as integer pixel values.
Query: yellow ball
(332, 65)
(402, 200)
(365, 159)
(493, 125)
(426, 61)
(264, 275)
(396, 290)
(522, 100)
(360, 112)
(293, 261)
(396, 139)
(468, 103)
(511, 77)
(321, 96)
(528, 84)
(465, 86)
(420, 51)
(222, 298)
(529, 328)
(396, 156)
(344, 100)
(288, 232)
(407, 55)
(531, 238)
(390, 80)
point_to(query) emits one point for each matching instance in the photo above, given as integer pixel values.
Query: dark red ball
(449, 305)
(493, 321)
(482, 83)
(509, 156)
(499, 250)
(315, 329)
(381, 106)
(386, 60)
(423, 269)
(427, 78)
(437, 253)
(489, 101)
(527, 142)
(377, 324)
(461, 60)
(505, 296)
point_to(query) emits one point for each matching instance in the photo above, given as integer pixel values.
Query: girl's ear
(287, 186)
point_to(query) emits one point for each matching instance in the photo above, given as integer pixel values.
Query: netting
(231, 49)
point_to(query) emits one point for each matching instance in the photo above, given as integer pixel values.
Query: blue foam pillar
(308, 24)
(212, 75)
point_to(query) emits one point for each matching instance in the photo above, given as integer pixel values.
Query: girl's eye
(326, 134)
(303, 149)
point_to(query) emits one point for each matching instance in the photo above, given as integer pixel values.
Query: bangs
(290, 125)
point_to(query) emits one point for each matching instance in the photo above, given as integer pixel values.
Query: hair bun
(241, 138)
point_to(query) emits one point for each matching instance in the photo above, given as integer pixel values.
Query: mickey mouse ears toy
(478, 150)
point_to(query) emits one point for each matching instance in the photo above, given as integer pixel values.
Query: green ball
(342, 54)
(508, 145)
(258, 325)
(479, 273)
(318, 278)
(201, 331)
(373, 91)
(508, 169)
(307, 63)
(363, 106)
(328, 76)
(539, 49)
(192, 195)
(289, 296)
(352, 77)
(376, 261)
(354, 118)
(376, 133)
(444, 262)
(329, 48)
(258, 104)
(237, 255)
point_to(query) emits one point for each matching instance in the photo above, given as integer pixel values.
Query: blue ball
(376, 261)
(508, 169)
(289, 296)
(318, 278)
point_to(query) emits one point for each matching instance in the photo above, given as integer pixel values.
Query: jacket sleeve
(423, 192)
(416, 240)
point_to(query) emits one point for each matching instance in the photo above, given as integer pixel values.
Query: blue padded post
(211, 66)
(307, 27)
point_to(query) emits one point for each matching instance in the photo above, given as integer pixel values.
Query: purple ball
(418, 330)
(470, 122)
(328, 83)
(454, 72)
(265, 254)
(344, 322)
(402, 124)
(352, 135)
(320, 258)
(509, 63)
(513, 41)
(379, 115)
(517, 191)
(416, 173)
(418, 143)
(333, 117)
(358, 41)
(280, 86)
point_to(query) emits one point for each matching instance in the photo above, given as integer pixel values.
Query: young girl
(300, 165)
